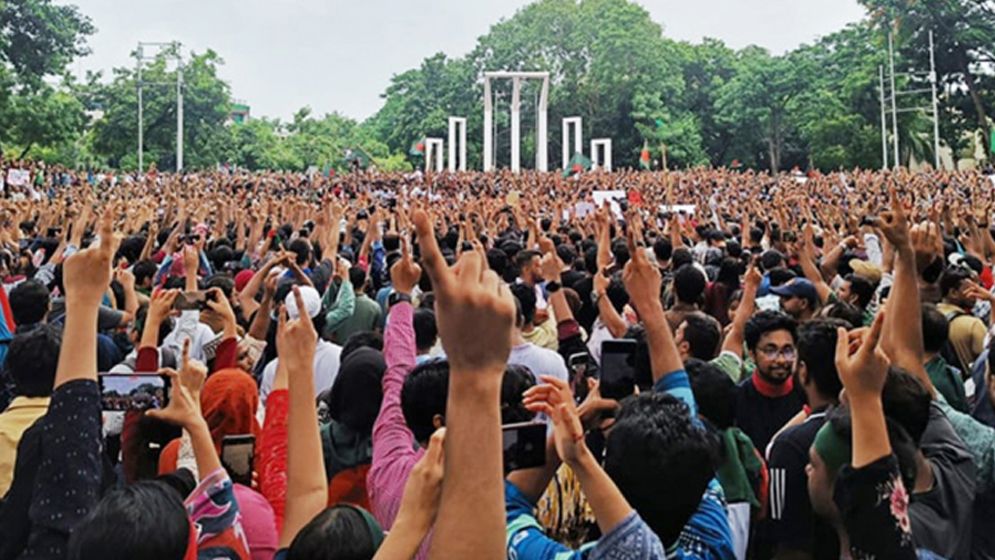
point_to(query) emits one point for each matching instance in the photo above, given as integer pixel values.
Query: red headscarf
(229, 400)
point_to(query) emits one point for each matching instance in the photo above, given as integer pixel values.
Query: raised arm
(67, 481)
(475, 313)
(642, 281)
(902, 339)
(734, 340)
(307, 486)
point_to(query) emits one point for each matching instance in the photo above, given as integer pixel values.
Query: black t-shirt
(792, 524)
(941, 517)
(760, 417)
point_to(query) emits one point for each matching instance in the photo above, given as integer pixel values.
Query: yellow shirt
(18, 417)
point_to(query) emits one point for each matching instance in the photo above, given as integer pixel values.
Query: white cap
(312, 302)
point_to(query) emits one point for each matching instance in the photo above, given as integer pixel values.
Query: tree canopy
(705, 103)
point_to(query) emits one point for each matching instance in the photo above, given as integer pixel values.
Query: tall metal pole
(894, 102)
(179, 111)
(936, 105)
(884, 122)
(141, 123)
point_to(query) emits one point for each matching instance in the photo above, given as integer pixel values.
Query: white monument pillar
(542, 133)
(433, 147)
(488, 126)
(454, 124)
(578, 144)
(516, 124)
(596, 162)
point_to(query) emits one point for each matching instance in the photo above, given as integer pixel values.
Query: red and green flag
(644, 156)
(577, 164)
(418, 148)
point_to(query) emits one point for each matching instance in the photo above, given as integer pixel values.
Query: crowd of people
(809, 356)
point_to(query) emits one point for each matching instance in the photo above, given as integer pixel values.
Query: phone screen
(524, 445)
(578, 364)
(618, 372)
(133, 391)
(188, 301)
(237, 453)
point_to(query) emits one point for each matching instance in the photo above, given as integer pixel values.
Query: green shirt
(947, 381)
(730, 364)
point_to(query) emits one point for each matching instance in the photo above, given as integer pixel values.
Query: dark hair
(689, 284)
(906, 400)
(767, 321)
(32, 358)
(845, 311)
(143, 520)
(497, 260)
(426, 389)
(526, 299)
(729, 272)
(862, 287)
(516, 380)
(780, 276)
(391, 242)
(337, 533)
(523, 258)
(357, 276)
(771, 259)
(144, 270)
(361, 339)
(816, 341)
(702, 334)
(714, 391)
(935, 328)
(220, 256)
(680, 257)
(29, 302)
(426, 330)
(130, 248)
(951, 278)
(302, 249)
(663, 249)
(656, 449)
(423, 396)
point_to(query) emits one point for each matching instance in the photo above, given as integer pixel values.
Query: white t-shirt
(326, 367)
(540, 361)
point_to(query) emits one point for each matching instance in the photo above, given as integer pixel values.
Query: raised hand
(87, 274)
(405, 273)
(296, 338)
(642, 280)
(894, 223)
(864, 373)
(474, 308)
(554, 399)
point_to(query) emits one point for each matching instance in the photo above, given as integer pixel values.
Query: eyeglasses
(772, 352)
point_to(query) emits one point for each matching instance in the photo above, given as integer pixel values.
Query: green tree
(964, 32)
(38, 39)
(206, 104)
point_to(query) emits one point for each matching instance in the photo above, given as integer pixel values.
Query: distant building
(239, 112)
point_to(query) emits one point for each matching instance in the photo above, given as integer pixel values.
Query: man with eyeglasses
(768, 398)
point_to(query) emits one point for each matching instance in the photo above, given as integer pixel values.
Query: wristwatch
(397, 297)
(553, 286)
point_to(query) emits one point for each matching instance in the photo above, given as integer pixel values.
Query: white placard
(688, 209)
(613, 198)
(18, 177)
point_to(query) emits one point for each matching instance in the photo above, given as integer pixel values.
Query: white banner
(18, 177)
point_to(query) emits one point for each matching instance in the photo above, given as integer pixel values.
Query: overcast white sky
(340, 54)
